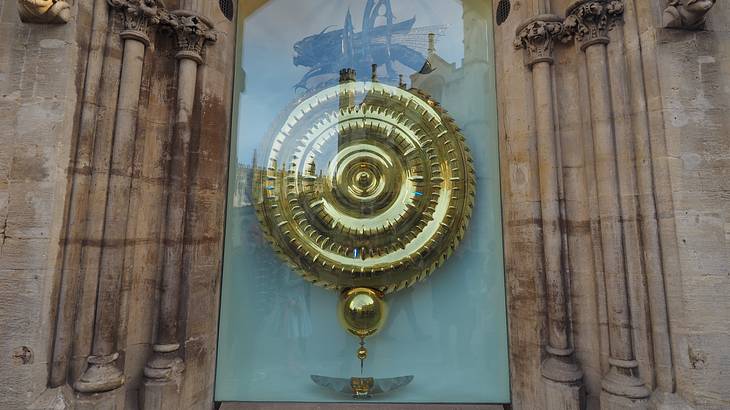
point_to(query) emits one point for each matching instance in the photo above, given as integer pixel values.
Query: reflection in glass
(361, 179)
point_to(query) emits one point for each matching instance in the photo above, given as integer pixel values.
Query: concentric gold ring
(366, 185)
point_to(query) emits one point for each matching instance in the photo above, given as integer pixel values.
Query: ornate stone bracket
(687, 14)
(44, 11)
(537, 36)
(590, 20)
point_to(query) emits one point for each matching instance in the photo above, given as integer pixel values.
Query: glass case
(363, 256)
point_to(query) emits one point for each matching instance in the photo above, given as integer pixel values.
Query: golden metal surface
(365, 185)
(362, 353)
(361, 386)
(362, 312)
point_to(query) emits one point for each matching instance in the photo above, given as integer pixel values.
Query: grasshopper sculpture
(329, 51)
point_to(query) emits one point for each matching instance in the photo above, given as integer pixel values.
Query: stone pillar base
(623, 391)
(163, 376)
(667, 401)
(111, 400)
(564, 396)
(57, 398)
(563, 383)
(101, 375)
(612, 402)
(160, 395)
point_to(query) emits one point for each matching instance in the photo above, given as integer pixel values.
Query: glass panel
(360, 179)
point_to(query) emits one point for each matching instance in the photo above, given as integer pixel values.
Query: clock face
(365, 184)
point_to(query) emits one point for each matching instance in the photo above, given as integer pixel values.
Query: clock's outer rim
(469, 203)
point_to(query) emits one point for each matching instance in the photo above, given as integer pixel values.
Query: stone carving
(191, 32)
(44, 11)
(590, 20)
(537, 36)
(139, 16)
(687, 14)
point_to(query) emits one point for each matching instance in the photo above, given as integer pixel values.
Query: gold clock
(365, 188)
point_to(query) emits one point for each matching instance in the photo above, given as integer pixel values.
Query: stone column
(163, 370)
(563, 377)
(664, 395)
(71, 270)
(590, 21)
(102, 373)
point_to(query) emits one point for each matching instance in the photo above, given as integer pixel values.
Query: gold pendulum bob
(362, 312)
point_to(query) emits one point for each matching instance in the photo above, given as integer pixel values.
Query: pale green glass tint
(448, 331)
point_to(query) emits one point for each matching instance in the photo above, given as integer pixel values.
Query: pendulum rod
(362, 354)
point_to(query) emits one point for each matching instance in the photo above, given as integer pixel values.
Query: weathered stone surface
(37, 107)
(696, 99)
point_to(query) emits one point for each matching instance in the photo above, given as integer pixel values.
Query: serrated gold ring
(365, 185)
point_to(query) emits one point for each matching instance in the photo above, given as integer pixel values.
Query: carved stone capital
(537, 37)
(687, 14)
(590, 20)
(44, 11)
(191, 33)
(139, 17)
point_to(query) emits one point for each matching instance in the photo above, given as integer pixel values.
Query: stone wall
(660, 97)
(39, 82)
(694, 76)
(83, 216)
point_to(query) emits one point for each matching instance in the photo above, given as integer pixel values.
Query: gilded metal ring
(365, 185)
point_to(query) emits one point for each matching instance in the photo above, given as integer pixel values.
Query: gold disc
(365, 185)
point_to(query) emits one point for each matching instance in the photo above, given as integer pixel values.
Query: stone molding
(589, 21)
(537, 37)
(44, 11)
(164, 365)
(687, 14)
(102, 375)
